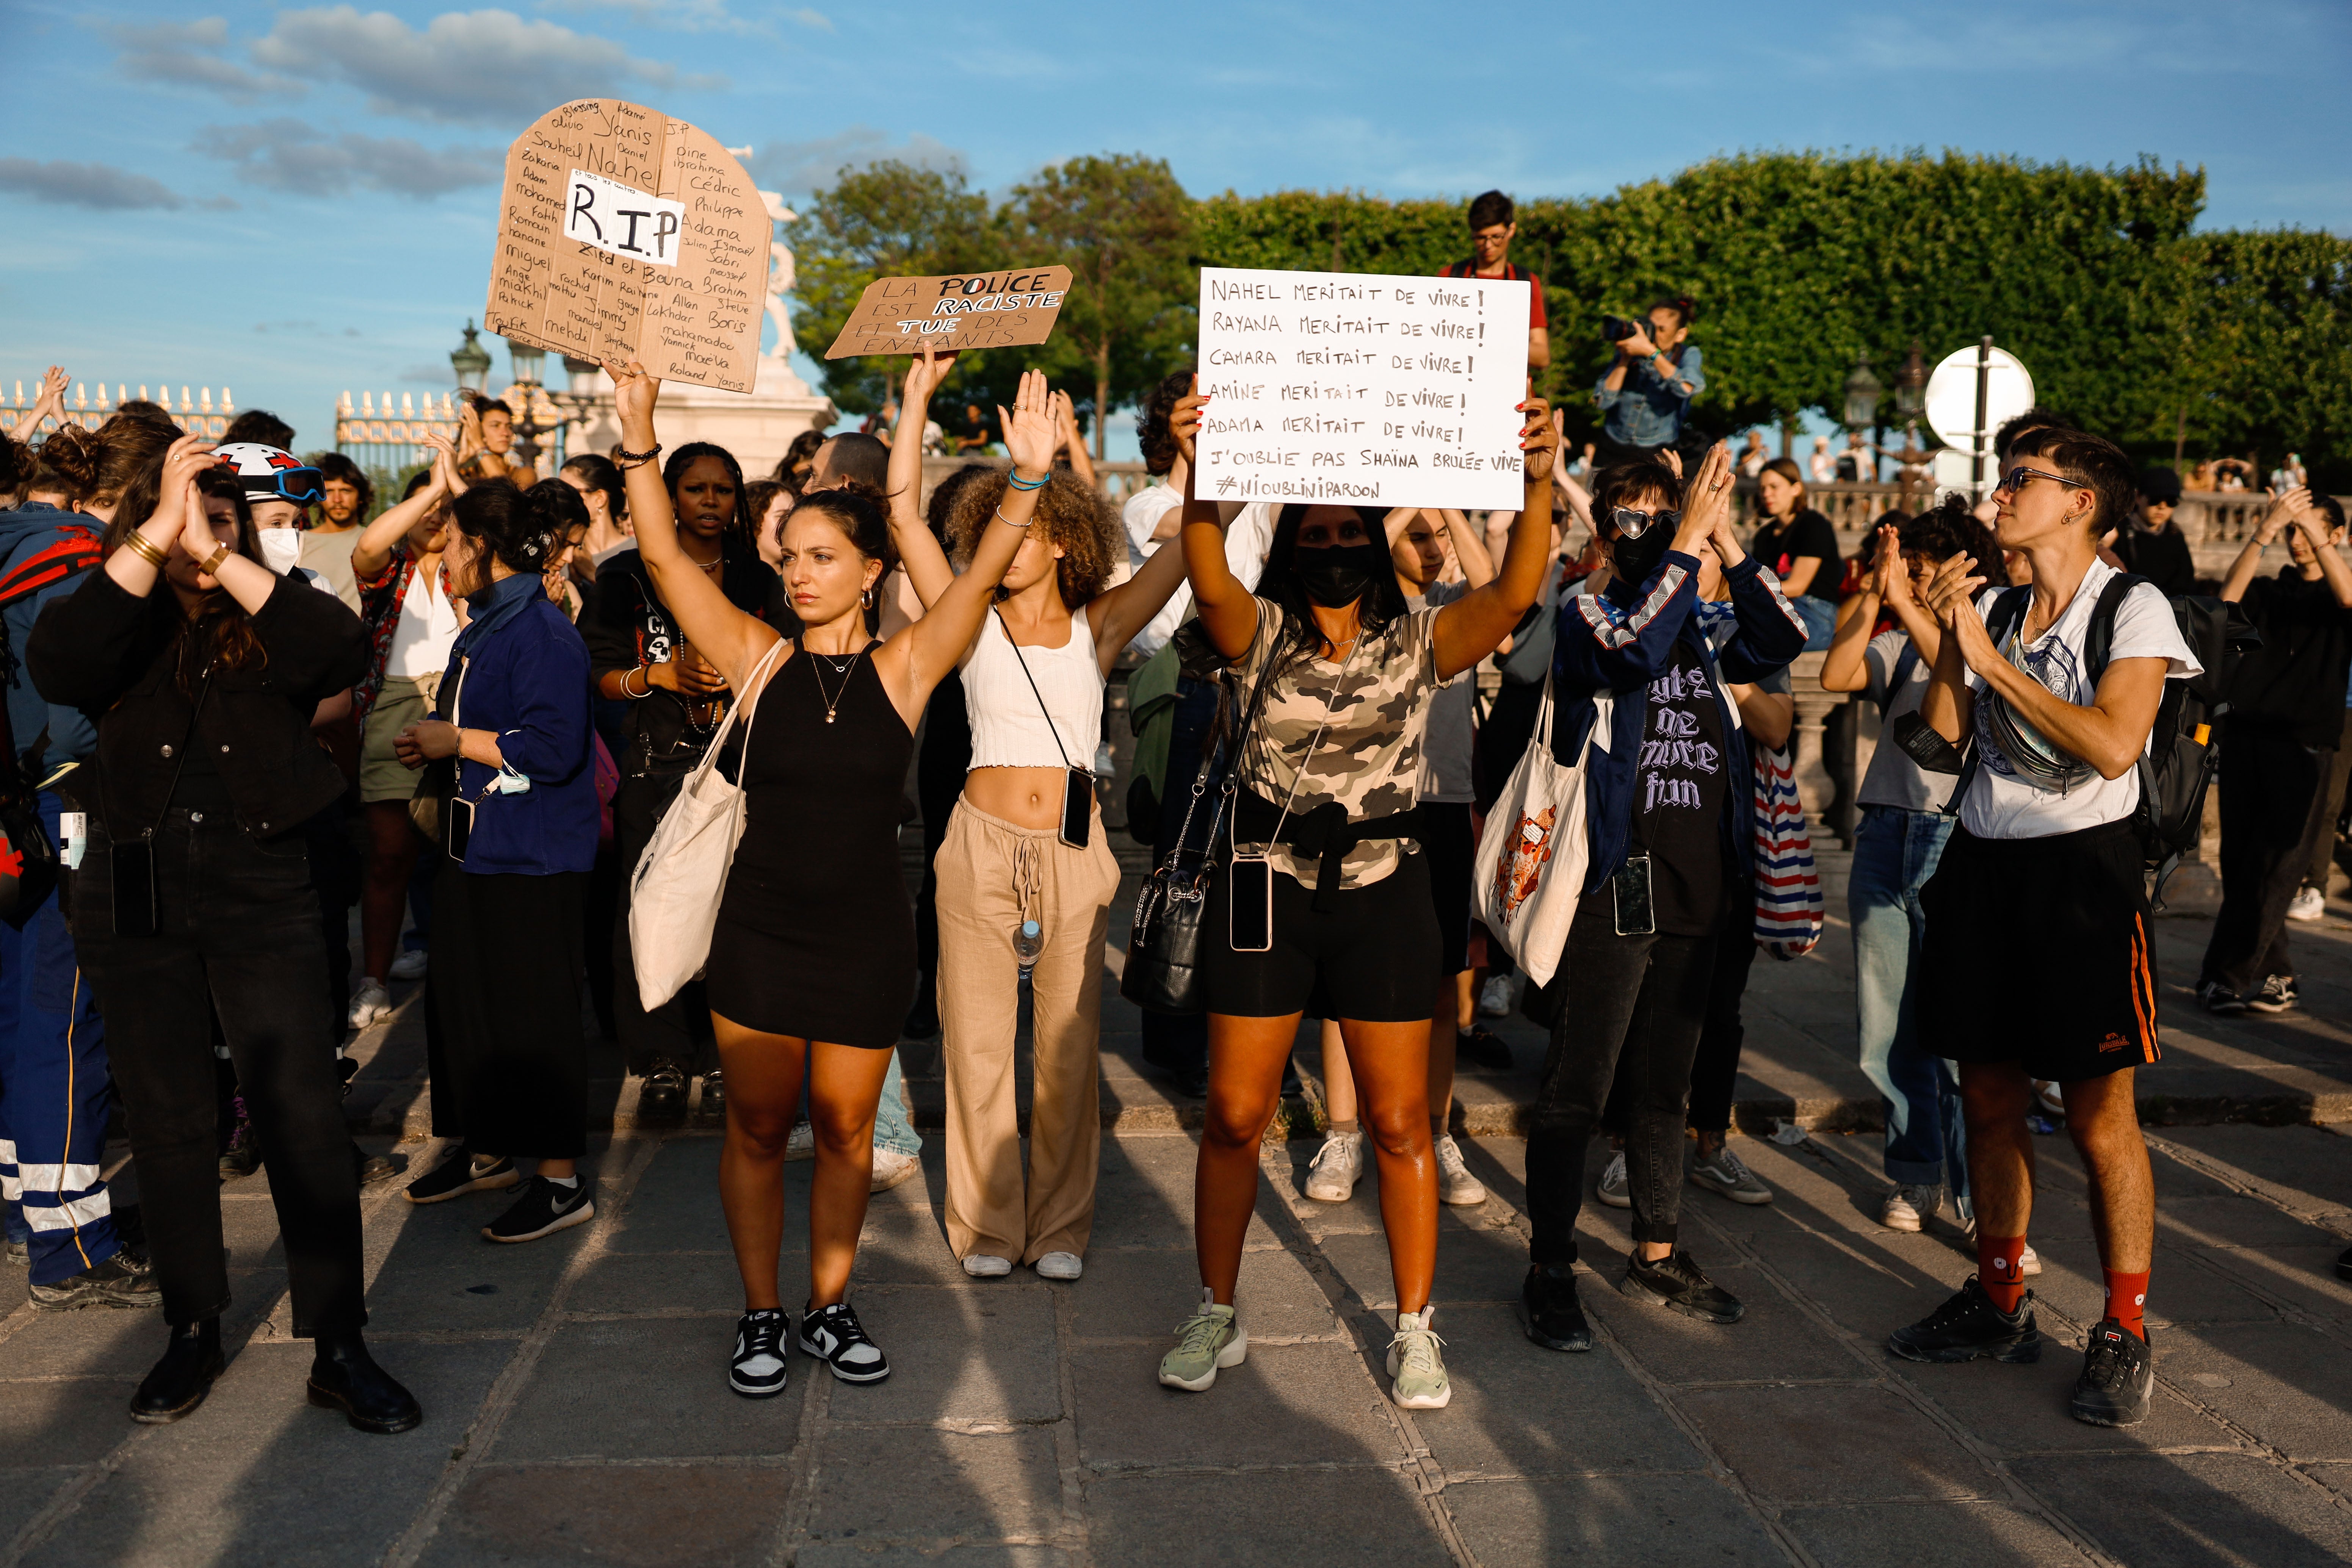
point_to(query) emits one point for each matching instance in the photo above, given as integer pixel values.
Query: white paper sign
(622, 219)
(1362, 388)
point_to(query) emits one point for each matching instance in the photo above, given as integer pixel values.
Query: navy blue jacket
(528, 682)
(45, 552)
(1618, 641)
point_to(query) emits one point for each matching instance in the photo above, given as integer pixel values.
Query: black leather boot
(178, 1383)
(344, 1377)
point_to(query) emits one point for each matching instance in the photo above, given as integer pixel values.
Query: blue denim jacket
(1648, 411)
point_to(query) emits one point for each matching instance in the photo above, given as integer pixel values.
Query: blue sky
(297, 200)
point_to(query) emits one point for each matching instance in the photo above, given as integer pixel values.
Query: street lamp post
(571, 406)
(471, 362)
(1910, 406)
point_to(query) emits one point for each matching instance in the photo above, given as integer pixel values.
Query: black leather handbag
(28, 859)
(1162, 974)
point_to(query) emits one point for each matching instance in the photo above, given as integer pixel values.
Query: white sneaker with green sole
(1212, 1338)
(1417, 1378)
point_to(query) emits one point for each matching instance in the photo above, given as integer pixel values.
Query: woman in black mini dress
(812, 963)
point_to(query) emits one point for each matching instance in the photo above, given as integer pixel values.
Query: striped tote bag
(1787, 885)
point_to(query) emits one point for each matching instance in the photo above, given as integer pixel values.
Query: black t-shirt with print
(1781, 545)
(1680, 783)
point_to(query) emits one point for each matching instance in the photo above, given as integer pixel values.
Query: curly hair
(1151, 432)
(1071, 513)
(1950, 528)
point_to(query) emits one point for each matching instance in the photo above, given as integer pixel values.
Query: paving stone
(983, 1351)
(1640, 1521)
(2233, 1221)
(432, 1275)
(2300, 1168)
(2288, 1384)
(1267, 1519)
(675, 1206)
(258, 1474)
(1287, 1405)
(1131, 1294)
(2023, 1409)
(1884, 1448)
(1775, 1340)
(904, 1245)
(1520, 1409)
(23, 1493)
(2194, 1509)
(676, 1282)
(101, 1342)
(1143, 1195)
(544, 1516)
(1472, 1266)
(66, 1422)
(647, 1388)
(858, 1554)
(941, 1484)
(2304, 1278)
(2182, 1289)
(1934, 1535)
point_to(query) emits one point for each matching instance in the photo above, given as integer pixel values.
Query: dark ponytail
(521, 527)
(65, 464)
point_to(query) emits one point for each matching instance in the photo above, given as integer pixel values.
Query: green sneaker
(1211, 1338)
(1416, 1371)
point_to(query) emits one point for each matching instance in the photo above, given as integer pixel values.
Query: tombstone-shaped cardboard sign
(964, 310)
(624, 233)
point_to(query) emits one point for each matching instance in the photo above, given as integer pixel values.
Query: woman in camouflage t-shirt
(1329, 773)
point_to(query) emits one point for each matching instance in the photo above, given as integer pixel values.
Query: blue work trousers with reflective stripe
(56, 1094)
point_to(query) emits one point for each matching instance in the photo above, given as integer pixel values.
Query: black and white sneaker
(461, 1173)
(1969, 1326)
(2118, 1373)
(758, 1369)
(834, 1337)
(2276, 993)
(543, 1209)
(2221, 1000)
(1675, 1283)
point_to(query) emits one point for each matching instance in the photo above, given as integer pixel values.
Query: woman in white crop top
(1033, 685)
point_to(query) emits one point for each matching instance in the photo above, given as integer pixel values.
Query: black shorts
(1449, 846)
(2038, 951)
(1373, 958)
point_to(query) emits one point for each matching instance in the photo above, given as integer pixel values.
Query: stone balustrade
(197, 415)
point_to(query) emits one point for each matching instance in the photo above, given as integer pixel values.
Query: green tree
(883, 219)
(1124, 229)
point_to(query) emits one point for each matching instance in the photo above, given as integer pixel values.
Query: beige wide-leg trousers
(991, 875)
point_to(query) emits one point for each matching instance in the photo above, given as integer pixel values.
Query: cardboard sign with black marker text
(962, 310)
(1374, 389)
(624, 233)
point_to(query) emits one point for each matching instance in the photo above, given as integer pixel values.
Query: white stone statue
(782, 275)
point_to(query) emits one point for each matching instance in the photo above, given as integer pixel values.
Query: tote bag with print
(1787, 886)
(1529, 874)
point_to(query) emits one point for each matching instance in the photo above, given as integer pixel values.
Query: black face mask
(1636, 558)
(1339, 576)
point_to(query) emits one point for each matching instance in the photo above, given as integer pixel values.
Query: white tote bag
(675, 887)
(1529, 874)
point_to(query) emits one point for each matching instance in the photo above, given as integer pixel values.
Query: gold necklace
(847, 676)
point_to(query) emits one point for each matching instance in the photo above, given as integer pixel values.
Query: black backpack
(2176, 769)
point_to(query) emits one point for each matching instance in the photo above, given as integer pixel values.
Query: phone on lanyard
(133, 871)
(1250, 907)
(457, 827)
(1636, 915)
(1077, 806)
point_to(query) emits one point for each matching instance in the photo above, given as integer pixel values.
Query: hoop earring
(866, 598)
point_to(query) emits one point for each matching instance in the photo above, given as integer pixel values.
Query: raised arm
(1949, 706)
(1228, 611)
(1115, 614)
(1470, 544)
(375, 542)
(50, 404)
(730, 638)
(1474, 625)
(927, 571)
(1067, 439)
(1843, 666)
(915, 660)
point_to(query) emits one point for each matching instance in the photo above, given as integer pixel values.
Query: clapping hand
(1891, 574)
(1951, 598)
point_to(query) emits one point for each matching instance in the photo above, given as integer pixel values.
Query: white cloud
(796, 168)
(288, 155)
(685, 16)
(188, 54)
(99, 186)
(809, 17)
(488, 68)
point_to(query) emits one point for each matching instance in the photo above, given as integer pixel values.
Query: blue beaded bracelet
(1013, 478)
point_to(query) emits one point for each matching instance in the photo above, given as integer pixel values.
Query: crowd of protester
(247, 709)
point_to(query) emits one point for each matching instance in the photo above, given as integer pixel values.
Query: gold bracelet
(144, 548)
(210, 566)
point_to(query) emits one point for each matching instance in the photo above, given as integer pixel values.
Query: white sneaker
(2029, 1262)
(1417, 1379)
(1456, 1184)
(890, 1167)
(1060, 1265)
(1910, 1208)
(1332, 1175)
(370, 1003)
(801, 1144)
(410, 964)
(2308, 904)
(1615, 1190)
(981, 1266)
(1494, 997)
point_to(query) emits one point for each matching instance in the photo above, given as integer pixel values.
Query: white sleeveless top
(1009, 728)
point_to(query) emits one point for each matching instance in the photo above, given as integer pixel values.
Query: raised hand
(634, 394)
(924, 378)
(1890, 575)
(1065, 422)
(1028, 427)
(2282, 509)
(1706, 499)
(1184, 420)
(1539, 441)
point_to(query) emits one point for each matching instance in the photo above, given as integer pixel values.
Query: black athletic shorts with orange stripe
(2039, 952)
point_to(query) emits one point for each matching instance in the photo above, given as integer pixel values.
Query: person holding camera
(1645, 394)
(192, 907)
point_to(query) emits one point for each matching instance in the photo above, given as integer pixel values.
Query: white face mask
(281, 548)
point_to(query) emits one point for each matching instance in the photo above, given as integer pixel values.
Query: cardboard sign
(965, 310)
(623, 235)
(1368, 389)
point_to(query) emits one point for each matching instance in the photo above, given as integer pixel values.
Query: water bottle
(1028, 941)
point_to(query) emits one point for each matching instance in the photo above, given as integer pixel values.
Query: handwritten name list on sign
(624, 233)
(1362, 388)
(968, 310)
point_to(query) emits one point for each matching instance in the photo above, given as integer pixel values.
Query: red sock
(1997, 1269)
(2128, 1299)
